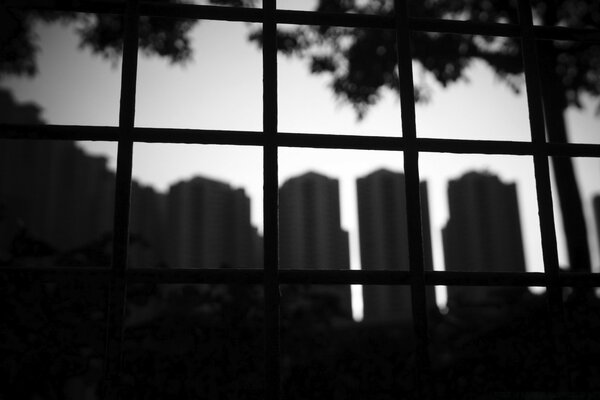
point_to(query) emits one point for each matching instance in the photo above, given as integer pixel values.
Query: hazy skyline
(219, 91)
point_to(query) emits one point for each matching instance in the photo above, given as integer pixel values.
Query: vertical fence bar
(413, 201)
(118, 282)
(270, 206)
(543, 186)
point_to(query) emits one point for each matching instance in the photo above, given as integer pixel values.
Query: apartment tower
(483, 234)
(208, 224)
(384, 243)
(310, 232)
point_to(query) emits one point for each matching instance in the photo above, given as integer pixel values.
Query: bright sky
(221, 89)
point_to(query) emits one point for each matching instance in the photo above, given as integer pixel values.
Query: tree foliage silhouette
(363, 62)
(102, 34)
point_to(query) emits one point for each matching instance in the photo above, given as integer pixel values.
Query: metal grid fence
(118, 276)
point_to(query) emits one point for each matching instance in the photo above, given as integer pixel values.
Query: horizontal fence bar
(334, 19)
(357, 142)
(324, 141)
(464, 27)
(246, 14)
(255, 138)
(507, 147)
(59, 132)
(564, 33)
(192, 11)
(394, 277)
(466, 278)
(198, 136)
(301, 140)
(459, 146)
(504, 30)
(197, 275)
(350, 20)
(579, 279)
(572, 149)
(299, 276)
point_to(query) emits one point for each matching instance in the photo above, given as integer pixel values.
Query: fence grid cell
(271, 140)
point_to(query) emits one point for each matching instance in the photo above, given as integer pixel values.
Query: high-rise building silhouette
(483, 234)
(209, 226)
(384, 243)
(310, 232)
(60, 195)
